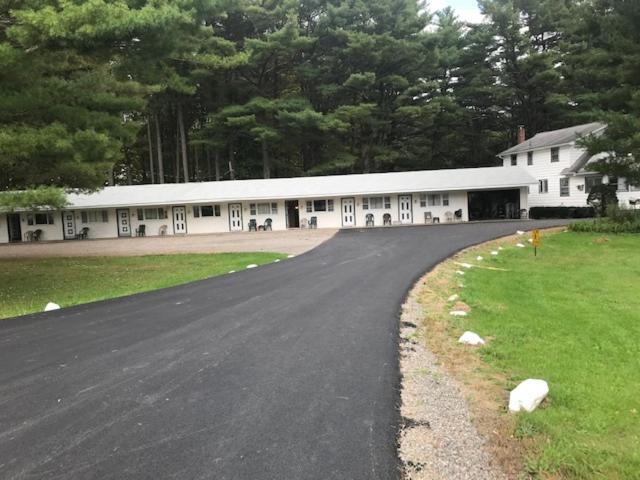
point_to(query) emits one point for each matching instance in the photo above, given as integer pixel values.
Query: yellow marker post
(535, 239)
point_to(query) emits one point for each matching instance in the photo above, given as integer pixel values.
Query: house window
(543, 186)
(423, 199)
(372, 203)
(309, 207)
(564, 187)
(274, 208)
(94, 216)
(319, 205)
(264, 208)
(206, 211)
(40, 219)
(387, 202)
(434, 200)
(330, 205)
(529, 158)
(555, 154)
(590, 182)
(445, 199)
(514, 159)
(154, 213)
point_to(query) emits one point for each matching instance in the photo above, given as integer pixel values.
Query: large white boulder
(51, 306)
(470, 338)
(528, 395)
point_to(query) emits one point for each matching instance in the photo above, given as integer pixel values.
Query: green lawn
(571, 316)
(26, 285)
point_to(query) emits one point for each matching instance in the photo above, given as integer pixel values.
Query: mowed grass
(571, 316)
(26, 285)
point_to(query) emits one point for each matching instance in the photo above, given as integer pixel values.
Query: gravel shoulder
(289, 241)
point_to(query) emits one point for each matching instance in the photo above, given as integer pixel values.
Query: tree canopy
(139, 91)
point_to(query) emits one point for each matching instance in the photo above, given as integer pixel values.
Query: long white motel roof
(461, 179)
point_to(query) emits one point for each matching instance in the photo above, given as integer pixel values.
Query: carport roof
(462, 179)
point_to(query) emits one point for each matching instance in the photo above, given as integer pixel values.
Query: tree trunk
(151, 168)
(366, 161)
(183, 144)
(232, 173)
(196, 156)
(159, 149)
(266, 166)
(217, 165)
(208, 155)
(177, 155)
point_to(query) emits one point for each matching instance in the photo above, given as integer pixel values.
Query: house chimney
(521, 134)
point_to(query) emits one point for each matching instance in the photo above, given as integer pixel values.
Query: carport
(494, 204)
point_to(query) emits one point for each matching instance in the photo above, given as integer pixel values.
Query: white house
(327, 202)
(558, 165)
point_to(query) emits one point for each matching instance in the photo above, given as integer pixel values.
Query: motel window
(514, 159)
(543, 186)
(206, 211)
(376, 203)
(153, 214)
(319, 205)
(445, 199)
(555, 154)
(274, 208)
(94, 216)
(263, 208)
(564, 187)
(434, 200)
(590, 182)
(40, 219)
(423, 199)
(529, 158)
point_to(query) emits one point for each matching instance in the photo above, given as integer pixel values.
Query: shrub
(561, 212)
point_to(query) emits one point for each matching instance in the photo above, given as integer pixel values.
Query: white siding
(49, 232)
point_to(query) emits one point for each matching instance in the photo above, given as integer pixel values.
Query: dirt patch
(453, 405)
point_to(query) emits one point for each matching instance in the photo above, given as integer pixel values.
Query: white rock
(276, 260)
(252, 265)
(459, 272)
(458, 313)
(461, 285)
(494, 252)
(528, 395)
(290, 256)
(232, 271)
(530, 240)
(520, 232)
(51, 306)
(500, 248)
(466, 265)
(452, 298)
(479, 258)
(470, 338)
(520, 245)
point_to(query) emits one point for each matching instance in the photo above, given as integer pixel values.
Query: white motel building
(547, 170)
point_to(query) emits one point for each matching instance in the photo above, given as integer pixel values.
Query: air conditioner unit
(581, 187)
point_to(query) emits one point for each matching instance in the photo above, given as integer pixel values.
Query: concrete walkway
(289, 241)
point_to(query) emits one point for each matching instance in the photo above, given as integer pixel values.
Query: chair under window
(458, 215)
(448, 216)
(313, 222)
(141, 231)
(428, 217)
(37, 235)
(253, 225)
(162, 230)
(267, 224)
(524, 213)
(369, 220)
(386, 219)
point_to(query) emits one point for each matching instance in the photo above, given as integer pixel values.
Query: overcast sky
(467, 10)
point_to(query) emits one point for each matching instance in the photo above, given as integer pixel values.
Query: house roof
(555, 138)
(305, 187)
(578, 167)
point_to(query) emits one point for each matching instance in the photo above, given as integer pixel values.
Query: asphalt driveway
(287, 371)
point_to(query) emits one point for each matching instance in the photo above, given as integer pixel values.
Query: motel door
(69, 225)
(235, 217)
(404, 205)
(124, 224)
(179, 220)
(348, 212)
